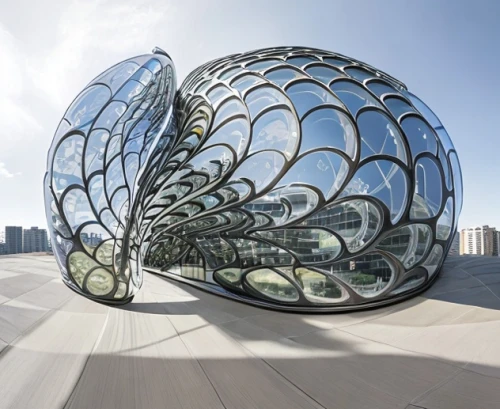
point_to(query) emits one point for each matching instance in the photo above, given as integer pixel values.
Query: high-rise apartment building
(35, 240)
(483, 240)
(13, 239)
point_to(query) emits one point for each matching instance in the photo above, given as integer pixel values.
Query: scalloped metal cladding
(293, 178)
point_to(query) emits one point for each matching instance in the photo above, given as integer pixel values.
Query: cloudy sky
(445, 51)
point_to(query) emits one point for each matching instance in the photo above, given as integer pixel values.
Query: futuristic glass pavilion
(292, 178)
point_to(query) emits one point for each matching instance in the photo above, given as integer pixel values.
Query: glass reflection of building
(298, 178)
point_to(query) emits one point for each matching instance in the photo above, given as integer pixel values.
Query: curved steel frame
(258, 180)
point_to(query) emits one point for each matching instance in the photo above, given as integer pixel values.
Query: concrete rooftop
(178, 347)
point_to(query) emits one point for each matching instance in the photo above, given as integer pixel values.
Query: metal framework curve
(290, 177)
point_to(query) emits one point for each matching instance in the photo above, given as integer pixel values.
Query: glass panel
(129, 90)
(91, 236)
(192, 266)
(218, 93)
(96, 190)
(231, 107)
(300, 201)
(235, 133)
(256, 253)
(262, 65)
(114, 176)
(310, 245)
(367, 275)
(264, 97)
(100, 282)
(230, 276)
(104, 253)
(324, 170)
(117, 75)
(261, 169)
(325, 128)
(79, 265)
(420, 137)
(67, 167)
(300, 61)
(217, 251)
(306, 95)
(416, 280)
(359, 74)
(272, 285)
(110, 115)
(318, 288)
(87, 105)
(95, 151)
(445, 165)
(77, 209)
(357, 222)
(227, 74)
(380, 136)
(445, 221)
(398, 107)
(246, 81)
(282, 76)
(428, 190)
(457, 184)
(336, 61)
(408, 243)
(384, 180)
(434, 259)
(380, 88)
(353, 96)
(425, 111)
(277, 129)
(323, 73)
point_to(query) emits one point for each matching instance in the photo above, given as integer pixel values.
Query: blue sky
(446, 52)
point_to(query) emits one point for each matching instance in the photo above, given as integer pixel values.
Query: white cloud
(16, 118)
(5, 173)
(91, 30)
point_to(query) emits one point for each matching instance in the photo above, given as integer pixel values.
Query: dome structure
(292, 178)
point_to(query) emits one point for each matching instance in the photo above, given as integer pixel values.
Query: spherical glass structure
(292, 178)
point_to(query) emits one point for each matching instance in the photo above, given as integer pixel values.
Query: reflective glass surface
(290, 177)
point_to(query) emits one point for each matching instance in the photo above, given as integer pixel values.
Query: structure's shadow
(473, 281)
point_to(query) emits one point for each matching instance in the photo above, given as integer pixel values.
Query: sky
(446, 51)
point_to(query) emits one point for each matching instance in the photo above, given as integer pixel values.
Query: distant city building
(455, 245)
(13, 239)
(483, 240)
(35, 240)
(3, 249)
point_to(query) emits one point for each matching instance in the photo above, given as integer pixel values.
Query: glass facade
(288, 177)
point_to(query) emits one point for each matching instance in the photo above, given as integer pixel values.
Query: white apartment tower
(482, 240)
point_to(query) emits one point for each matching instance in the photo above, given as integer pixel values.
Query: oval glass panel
(269, 283)
(445, 221)
(327, 127)
(353, 96)
(325, 170)
(428, 193)
(408, 243)
(368, 275)
(384, 180)
(419, 135)
(357, 222)
(318, 288)
(380, 136)
(434, 259)
(306, 95)
(310, 245)
(277, 129)
(100, 282)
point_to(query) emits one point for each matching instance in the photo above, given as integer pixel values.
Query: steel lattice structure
(289, 177)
